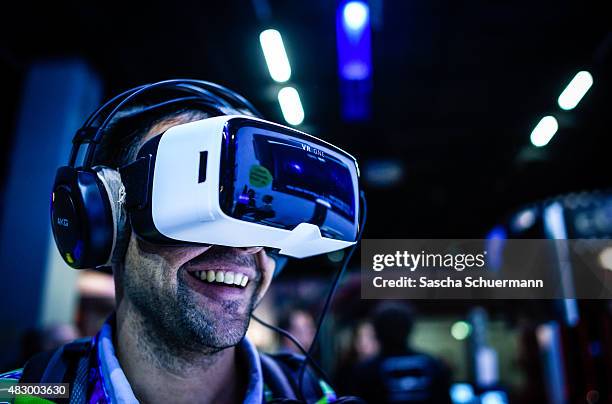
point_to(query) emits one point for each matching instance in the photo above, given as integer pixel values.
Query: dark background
(457, 89)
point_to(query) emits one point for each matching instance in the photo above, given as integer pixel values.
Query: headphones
(83, 215)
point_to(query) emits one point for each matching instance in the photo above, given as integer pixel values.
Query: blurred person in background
(299, 323)
(363, 346)
(96, 301)
(35, 341)
(399, 374)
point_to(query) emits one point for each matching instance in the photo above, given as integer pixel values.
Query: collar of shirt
(117, 389)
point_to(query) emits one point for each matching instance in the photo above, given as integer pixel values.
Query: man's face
(181, 293)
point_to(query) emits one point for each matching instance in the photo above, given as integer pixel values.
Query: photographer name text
(411, 262)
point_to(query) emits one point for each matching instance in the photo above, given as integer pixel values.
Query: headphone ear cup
(81, 218)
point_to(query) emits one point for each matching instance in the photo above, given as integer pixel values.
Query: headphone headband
(210, 94)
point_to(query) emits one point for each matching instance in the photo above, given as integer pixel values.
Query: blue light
(78, 250)
(497, 233)
(554, 222)
(462, 393)
(494, 245)
(296, 167)
(383, 172)
(355, 15)
(494, 397)
(353, 40)
(554, 228)
(356, 70)
(523, 220)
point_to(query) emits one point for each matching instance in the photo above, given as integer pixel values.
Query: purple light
(495, 243)
(353, 40)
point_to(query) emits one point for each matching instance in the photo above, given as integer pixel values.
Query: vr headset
(231, 180)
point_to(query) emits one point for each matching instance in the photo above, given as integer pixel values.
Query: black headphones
(83, 216)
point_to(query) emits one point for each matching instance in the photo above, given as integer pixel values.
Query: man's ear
(111, 180)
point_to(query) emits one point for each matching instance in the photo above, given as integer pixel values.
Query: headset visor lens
(277, 177)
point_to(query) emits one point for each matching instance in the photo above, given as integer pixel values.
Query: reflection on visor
(282, 181)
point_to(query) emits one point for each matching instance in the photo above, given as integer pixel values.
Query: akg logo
(62, 221)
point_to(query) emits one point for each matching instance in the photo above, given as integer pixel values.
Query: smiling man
(184, 298)
(183, 312)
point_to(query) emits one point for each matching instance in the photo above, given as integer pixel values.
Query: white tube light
(544, 131)
(276, 57)
(575, 90)
(291, 106)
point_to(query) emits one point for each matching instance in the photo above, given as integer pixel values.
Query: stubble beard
(172, 322)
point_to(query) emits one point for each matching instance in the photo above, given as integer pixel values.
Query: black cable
(204, 92)
(332, 291)
(210, 105)
(288, 335)
(308, 354)
(313, 363)
(94, 115)
(339, 400)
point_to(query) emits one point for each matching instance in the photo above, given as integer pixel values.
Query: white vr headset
(239, 181)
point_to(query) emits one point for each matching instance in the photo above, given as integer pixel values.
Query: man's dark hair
(393, 324)
(125, 132)
(123, 135)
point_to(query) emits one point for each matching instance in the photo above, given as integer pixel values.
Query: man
(177, 334)
(299, 323)
(399, 374)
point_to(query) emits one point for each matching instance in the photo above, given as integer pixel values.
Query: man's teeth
(227, 277)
